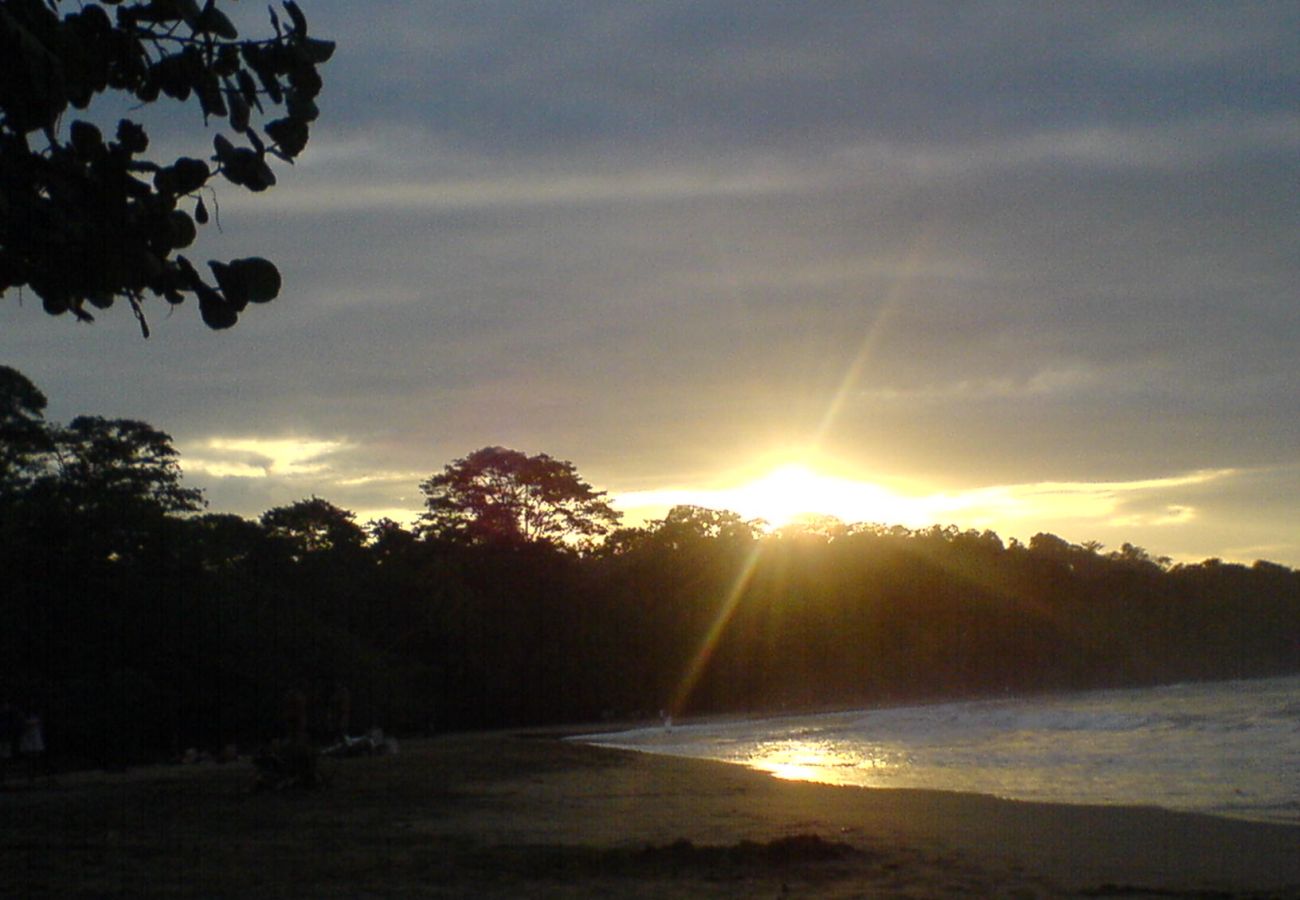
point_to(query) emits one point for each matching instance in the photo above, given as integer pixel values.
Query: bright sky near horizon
(1020, 266)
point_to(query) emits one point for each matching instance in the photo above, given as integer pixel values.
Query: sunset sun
(794, 490)
(784, 494)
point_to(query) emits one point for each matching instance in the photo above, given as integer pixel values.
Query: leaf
(214, 21)
(260, 278)
(302, 108)
(201, 212)
(215, 311)
(132, 137)
(211, 98)
(55, 304)
(173, 76)
(180, 228)
(189, 174)
(86, 139)
(238, 110)
(189, 11)
(318, 51)
(299, 21)
(289, 134)
(225, 150)
(248, 88)
(232, 286)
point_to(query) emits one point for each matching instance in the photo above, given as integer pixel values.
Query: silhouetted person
(31, 745)
(293, 762)
(340, 711)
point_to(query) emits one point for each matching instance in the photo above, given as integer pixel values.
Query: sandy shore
(506, 816)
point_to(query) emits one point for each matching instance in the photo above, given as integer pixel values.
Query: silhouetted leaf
(259, 277)
(214, 21)
(289, 134)
(181, 228)
(216, 312)
(190, 174)
(299, 21)
(318, 51)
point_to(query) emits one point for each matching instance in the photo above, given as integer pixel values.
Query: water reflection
(824, 761)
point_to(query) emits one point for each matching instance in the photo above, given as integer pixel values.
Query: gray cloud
(978, 244)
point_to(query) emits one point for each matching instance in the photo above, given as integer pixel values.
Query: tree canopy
(140, 624)
(86, 217)
(313, 526)
(496, 495)
(22, 427)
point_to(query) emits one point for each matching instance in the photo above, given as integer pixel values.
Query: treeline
(138, 624)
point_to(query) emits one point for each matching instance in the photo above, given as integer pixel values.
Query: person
(340, 712)
(31, 745)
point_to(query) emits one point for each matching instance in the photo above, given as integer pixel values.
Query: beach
(527, 814)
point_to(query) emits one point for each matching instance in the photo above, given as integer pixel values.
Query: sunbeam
(711, 637)
(888, 309)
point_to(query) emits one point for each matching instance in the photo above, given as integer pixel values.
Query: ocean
(1226, 748)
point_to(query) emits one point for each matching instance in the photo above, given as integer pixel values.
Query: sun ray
(888, 309)
(709, 642)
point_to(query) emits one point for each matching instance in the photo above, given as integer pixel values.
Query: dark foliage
(142, 627)
(500, 496)
(86, 217)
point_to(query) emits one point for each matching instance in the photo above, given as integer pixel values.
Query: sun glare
(788, 492)
(794, 491)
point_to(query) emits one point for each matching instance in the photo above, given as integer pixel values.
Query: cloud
(1010, 508)
(259, 457)
(967, 245)
(1047, 382)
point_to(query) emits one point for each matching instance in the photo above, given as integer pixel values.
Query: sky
(1020, 266)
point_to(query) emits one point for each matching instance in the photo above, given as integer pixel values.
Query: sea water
(1227, 748)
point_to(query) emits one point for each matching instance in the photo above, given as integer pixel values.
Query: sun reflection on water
(825, 762)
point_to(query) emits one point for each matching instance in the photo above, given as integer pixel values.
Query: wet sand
(504, 815)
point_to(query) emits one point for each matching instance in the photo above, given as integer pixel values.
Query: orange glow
(790, 488)
(793, 490)
(788, 491)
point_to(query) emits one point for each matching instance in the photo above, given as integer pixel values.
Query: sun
(794, 490)
(782, 495)
(784, 491)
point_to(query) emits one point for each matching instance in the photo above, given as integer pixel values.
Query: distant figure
(31, 746)
(667, 718)
(290, 761)
(340, 712)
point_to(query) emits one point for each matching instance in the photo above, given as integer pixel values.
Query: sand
(509, 815)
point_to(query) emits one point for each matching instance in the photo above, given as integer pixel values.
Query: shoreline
(767, 773)
(1089, 752)
(527, 814)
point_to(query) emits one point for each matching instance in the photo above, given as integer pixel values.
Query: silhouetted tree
(23, 433)
(107, 488)
(106, 463)
(684, 524)
(313, 526)
(86, 218)
(222, 541)
(388, 539)
(496, 495)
